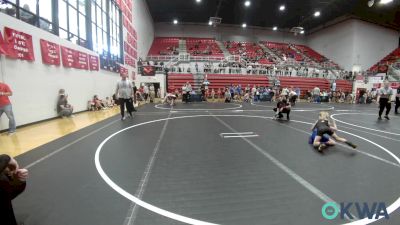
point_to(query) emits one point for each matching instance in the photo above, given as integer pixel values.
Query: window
(114, 30)
(26, 10)
(74, 20)
(46, 17)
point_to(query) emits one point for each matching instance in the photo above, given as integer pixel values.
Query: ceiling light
(210, 23)
(385, 1)
(275, 28)
(247, 3)
(244, 25)
(371, 3)
(282, 8)
(175, 21)
(198, 1)
(302, 32)
(317, 13)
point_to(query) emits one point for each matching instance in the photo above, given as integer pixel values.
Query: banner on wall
(94, 63)
(68, 57)
(50, 52)
(149, 71)
(20, 43)
(81, 61)
(5, 48)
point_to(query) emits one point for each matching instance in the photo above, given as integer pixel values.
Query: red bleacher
(344, 85)
(310, 53)
(223, 80)
(164, 46)
(176, 81)
(305, 83)
(203, 47)
(283, 49)
(251, 50)
(393, 57)
(310, 83)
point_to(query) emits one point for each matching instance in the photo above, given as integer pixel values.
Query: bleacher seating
(249, 50)
(164, 46)
(310, 53)
(223, 80)
(344, 85)
(305, 83)
(203, 47)
(176, 81)
(283, 50)
(393, 57)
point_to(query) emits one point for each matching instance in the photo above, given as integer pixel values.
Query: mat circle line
(355, 125)
(394, 206)
(298, 109)
(158, 106)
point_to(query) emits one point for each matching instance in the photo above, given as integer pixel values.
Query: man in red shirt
(5, 106)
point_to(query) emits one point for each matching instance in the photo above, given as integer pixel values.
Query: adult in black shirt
(203, 92)
(283, 106)
(134, 93)
(397, 101)
(12, 183)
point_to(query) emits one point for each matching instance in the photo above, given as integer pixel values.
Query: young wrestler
(325, 126)
(282, 107)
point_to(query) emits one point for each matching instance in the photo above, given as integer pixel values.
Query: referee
(384, 97)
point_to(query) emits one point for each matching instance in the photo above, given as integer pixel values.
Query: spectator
(152, 93)
(146, 92)
(134, 92)
(228, 96)
(26, 15)
(316, 95)
(109, 102)
(212, 94)
(124, 92)
(397, 101)
(12, 183)
(63, 108)
(5, 107)
(98, 103)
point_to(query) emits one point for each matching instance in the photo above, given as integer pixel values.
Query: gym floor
(212, 163)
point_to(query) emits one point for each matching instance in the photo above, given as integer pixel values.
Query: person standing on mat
(12, 183)
(325, 126)
(384, 97)
(397, 101)
(124, 92)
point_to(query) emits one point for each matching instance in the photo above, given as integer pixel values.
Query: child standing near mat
(326, 126)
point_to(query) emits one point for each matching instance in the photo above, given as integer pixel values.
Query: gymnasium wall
(35, 85)
(225, 33)
(354, 43)
(143, 23)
